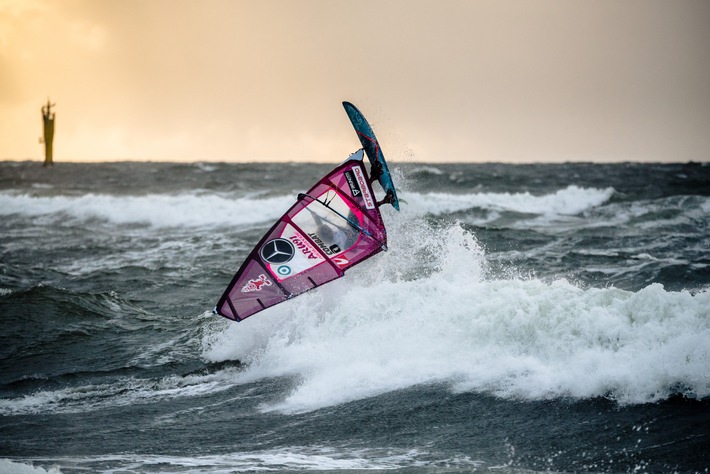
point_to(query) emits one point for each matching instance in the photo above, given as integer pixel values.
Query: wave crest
(515, 338)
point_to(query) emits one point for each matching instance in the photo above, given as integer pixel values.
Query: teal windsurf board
(374, 152)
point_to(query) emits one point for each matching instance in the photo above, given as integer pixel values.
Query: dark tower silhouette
(48, 123)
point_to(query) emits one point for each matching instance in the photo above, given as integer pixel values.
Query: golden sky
(445, 80)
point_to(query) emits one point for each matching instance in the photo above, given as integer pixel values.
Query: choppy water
(525, 318)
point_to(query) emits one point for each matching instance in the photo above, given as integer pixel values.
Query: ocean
(526, 318)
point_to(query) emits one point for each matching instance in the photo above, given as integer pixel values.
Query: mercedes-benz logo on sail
(277, 251)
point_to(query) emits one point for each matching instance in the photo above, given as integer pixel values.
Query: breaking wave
(455, 325)
(569, 201)
(196, 210)
(157, 210)
(292, 458)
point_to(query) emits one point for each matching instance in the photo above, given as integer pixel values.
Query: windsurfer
(388, 199)
(337, 238)
(375, 171)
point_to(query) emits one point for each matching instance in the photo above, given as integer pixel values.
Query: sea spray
(515, 338)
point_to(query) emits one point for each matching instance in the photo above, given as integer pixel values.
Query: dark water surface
(525, 318)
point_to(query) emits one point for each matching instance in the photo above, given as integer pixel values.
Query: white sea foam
(125, 392)
(209, 210)
(428, 169)
(296, 458)
(158, 210)
(377, 331)
(569, 201)
(17, 467)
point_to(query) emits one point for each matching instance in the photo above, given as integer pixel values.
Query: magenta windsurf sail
(334, 225)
